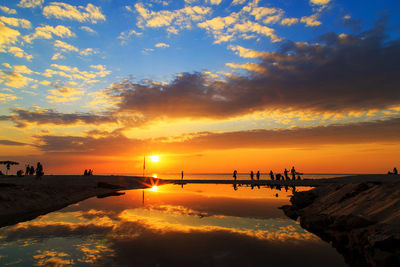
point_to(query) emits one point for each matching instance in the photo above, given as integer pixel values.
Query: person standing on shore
(252, 175)
(28, 168)
(182, 175)
(235, 174)
(258, 175)
(285, 172)
(293, 172)
(271, 174)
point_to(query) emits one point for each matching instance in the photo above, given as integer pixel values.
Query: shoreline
(360, 219)
(25, 198)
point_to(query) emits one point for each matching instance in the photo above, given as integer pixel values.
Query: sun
(155, 158)
(154, 188)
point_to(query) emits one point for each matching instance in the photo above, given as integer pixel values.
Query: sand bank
(360, 219)
(25, 198)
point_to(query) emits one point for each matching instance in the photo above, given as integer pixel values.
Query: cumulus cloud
(65, 48)
(58, 10)
(311, 21)
(5, 98)
(289, 21)
(7, 36)
(8, 10)
(15, 78)
(15, 22)
(48, 32)
(30, 3)
(161, 45)
(18, 52)
(179, 18)
(73, 73)
(316, 77)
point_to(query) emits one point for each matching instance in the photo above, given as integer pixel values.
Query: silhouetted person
(32, 171)
(278, 177)
(258, 175)
(235, 174)
(395, 171)
(286, 174)
(27, 170)
(39, 170)
(271, 174)
(90, 172)
(252, 175)
(85, 173)
(293, 172)
(182, 175)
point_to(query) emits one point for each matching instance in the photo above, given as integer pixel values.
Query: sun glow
(154, 188)
(155, 158)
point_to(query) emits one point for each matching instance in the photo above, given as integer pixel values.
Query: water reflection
(199, 225)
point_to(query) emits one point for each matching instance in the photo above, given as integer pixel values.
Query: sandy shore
(25, 198)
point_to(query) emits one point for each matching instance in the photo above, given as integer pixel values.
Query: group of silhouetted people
(394, 171)
(88, 172)
(30, 171)
(294, 175)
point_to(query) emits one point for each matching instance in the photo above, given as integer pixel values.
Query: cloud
(179, 18)
(18, 52)
(65, 47)
(5, 98)
(253, 67)
(14, 78)
(213, 2)
(311, 21)
(51, 117)
(62, 94)
(238, 2)
(161, 45)
(8, 10)
(47, 32)
(319, 2)
(88, 29)
(73, 73)
(58, 10)
(15, 22)
(30, 3)
(242, 25)
(11, 143)
(384, 131)
(7, 36)
(289, 21)
(125, 36)
(316, 77)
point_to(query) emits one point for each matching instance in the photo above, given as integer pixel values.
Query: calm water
(228, 176)
(198, 225)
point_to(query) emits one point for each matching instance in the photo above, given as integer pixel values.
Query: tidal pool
(197, 225)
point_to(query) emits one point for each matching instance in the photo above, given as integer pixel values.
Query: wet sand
(25, 198)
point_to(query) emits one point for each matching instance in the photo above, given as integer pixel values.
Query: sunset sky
(209, 85)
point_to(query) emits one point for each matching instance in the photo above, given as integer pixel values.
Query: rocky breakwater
(361, 220)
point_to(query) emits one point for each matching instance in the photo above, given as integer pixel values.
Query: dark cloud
(337, 73)
(48, 116)
(11, 143)
(382, 131)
